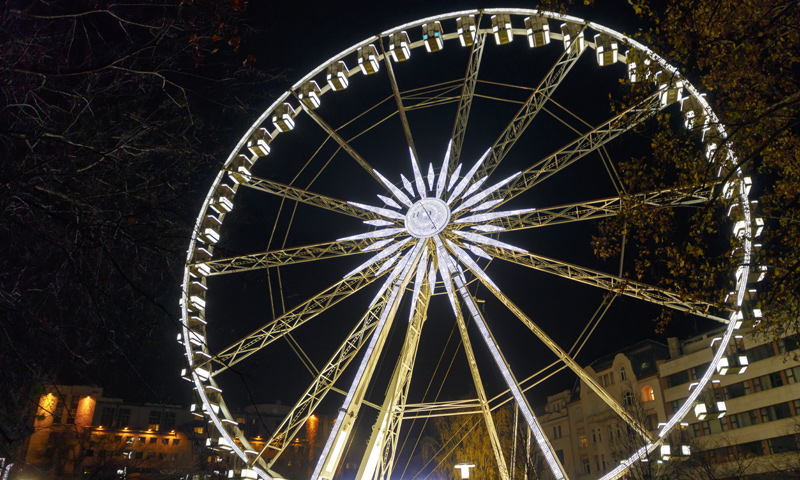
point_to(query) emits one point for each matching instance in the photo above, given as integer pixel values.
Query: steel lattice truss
(432, 233)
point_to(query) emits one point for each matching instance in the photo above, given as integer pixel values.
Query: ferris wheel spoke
(566, 359)
(612, 283)
(382, 445)
(530, 109)
(401, 110)
(285, 256)
(453, 276)
(326, 379)
(292, 319)
(304, 196)
(582, 146)
(345, 422)
(341, 141)
(594, 209)
(467, 95)
(483, 401)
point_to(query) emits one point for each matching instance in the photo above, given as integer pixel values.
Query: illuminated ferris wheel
(360, 177)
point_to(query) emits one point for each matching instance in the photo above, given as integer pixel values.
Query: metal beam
(529, 110)
(304, 196)
(467, 95)
(612, 283)
(284, 256)
(565, 358)
(399, 101)
(594, 209)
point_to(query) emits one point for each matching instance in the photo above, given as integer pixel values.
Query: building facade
(748, 422)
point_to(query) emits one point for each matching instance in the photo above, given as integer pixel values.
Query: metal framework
(430, 230)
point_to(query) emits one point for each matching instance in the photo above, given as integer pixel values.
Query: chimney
(674, 347)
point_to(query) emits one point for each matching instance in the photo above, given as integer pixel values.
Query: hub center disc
(427, 218)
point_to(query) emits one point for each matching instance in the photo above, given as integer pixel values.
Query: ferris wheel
(405, 183)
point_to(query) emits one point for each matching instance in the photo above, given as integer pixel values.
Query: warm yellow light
(149, 429)
(172, 432)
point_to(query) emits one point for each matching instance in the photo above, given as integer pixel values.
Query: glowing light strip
(378, 223)
(475, 186)
(395, 191)
(487, 228)
(431, 177)
(378, 244)
(432, 277)
(395, 272)
(387, 264)
(474, 237)
(470, 263)
(467, 177)
(443, 259)
(379, 256)
(487, 217)
(477, 198)
(417, 174)
(418, 282)
(388, 201)
(454, 177)
(443, 171)
(385, 232)
(487, 205)
(384, 212)
(407, 184)
(511, 382)
(478, 251)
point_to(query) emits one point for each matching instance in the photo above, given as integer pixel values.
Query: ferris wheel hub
(427, 217)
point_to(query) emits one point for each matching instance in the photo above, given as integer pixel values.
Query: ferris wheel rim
(203, 384)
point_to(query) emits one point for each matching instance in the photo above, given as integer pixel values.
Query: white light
(384, 212)
(487, 217)
(488, 205)
(378, 223)
(378, 244)
(387, 264)
(475, 186)
(385, 232)
(454, 177)
(474, 237)
(388, 201)
(420, 277)
(470, 263)
(478, 251)
(443, 171)
(488, 228)
(417, 174)
(432, 277)
(407, 185)
(379, 256)
(431, 176)
(395, 191)
(477, 198)
(465, 181)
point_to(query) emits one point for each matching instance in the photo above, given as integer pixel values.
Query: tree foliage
(115, 115)
(745, 56)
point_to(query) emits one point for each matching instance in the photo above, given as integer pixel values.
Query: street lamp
(464, 467)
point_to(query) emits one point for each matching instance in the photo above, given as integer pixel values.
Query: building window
(786, 443)
(648, 395)
(138, 455)
(557, 432)
(596, 463)
(162, 456)
(72, 412)
(153, 440)
(151, 455)
(603, 461)
(165, 441)
(696, 432)
(199, 430)
(583, 442)
(128, 439)
(176, 441)
(154, 420)
(751, 449)
(699, 370)
(737, 390)
(107, 416)
(607, 379)
(123, 417)
(678, 378)
(169, 421)
(560, 455)
(174, 457)
(627, 398)
(58, 411)
(622, 374)
(586, 468)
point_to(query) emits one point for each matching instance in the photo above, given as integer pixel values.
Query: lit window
(648, 395)
(199, 430)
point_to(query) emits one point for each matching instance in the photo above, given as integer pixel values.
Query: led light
(474, 237)
(380, 211)
(463, 183)
(443, 171)
(388, 201)
(477, 198)
(487, 217)
(488, 228)
(407, 185)
(378, 223)
(398, 194)
(380, 255)
(417, 174)
(431, 176)
(475, 186)
(454, 178)
(378, 244)
(384, 232)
